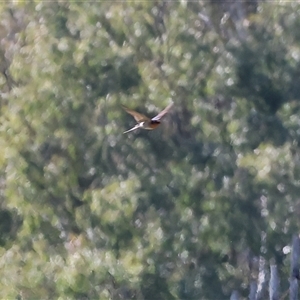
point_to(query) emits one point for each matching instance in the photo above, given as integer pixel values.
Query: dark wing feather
(162, 113)
(137, 116)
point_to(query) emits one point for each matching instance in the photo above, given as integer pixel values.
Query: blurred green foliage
(176, 213)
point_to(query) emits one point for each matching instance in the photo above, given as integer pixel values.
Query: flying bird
(145, 122)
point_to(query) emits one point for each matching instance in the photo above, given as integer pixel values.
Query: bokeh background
(183, 212)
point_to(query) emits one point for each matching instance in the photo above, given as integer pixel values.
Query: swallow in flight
(145, 122)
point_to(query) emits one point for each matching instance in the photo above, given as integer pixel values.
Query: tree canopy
(181, 212)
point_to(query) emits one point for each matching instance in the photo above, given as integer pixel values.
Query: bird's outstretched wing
(133, 128)
(162, 113)
(137, 116)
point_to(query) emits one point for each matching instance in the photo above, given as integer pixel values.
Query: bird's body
(143, 121)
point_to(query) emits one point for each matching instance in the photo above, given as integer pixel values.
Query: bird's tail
(133, 128)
